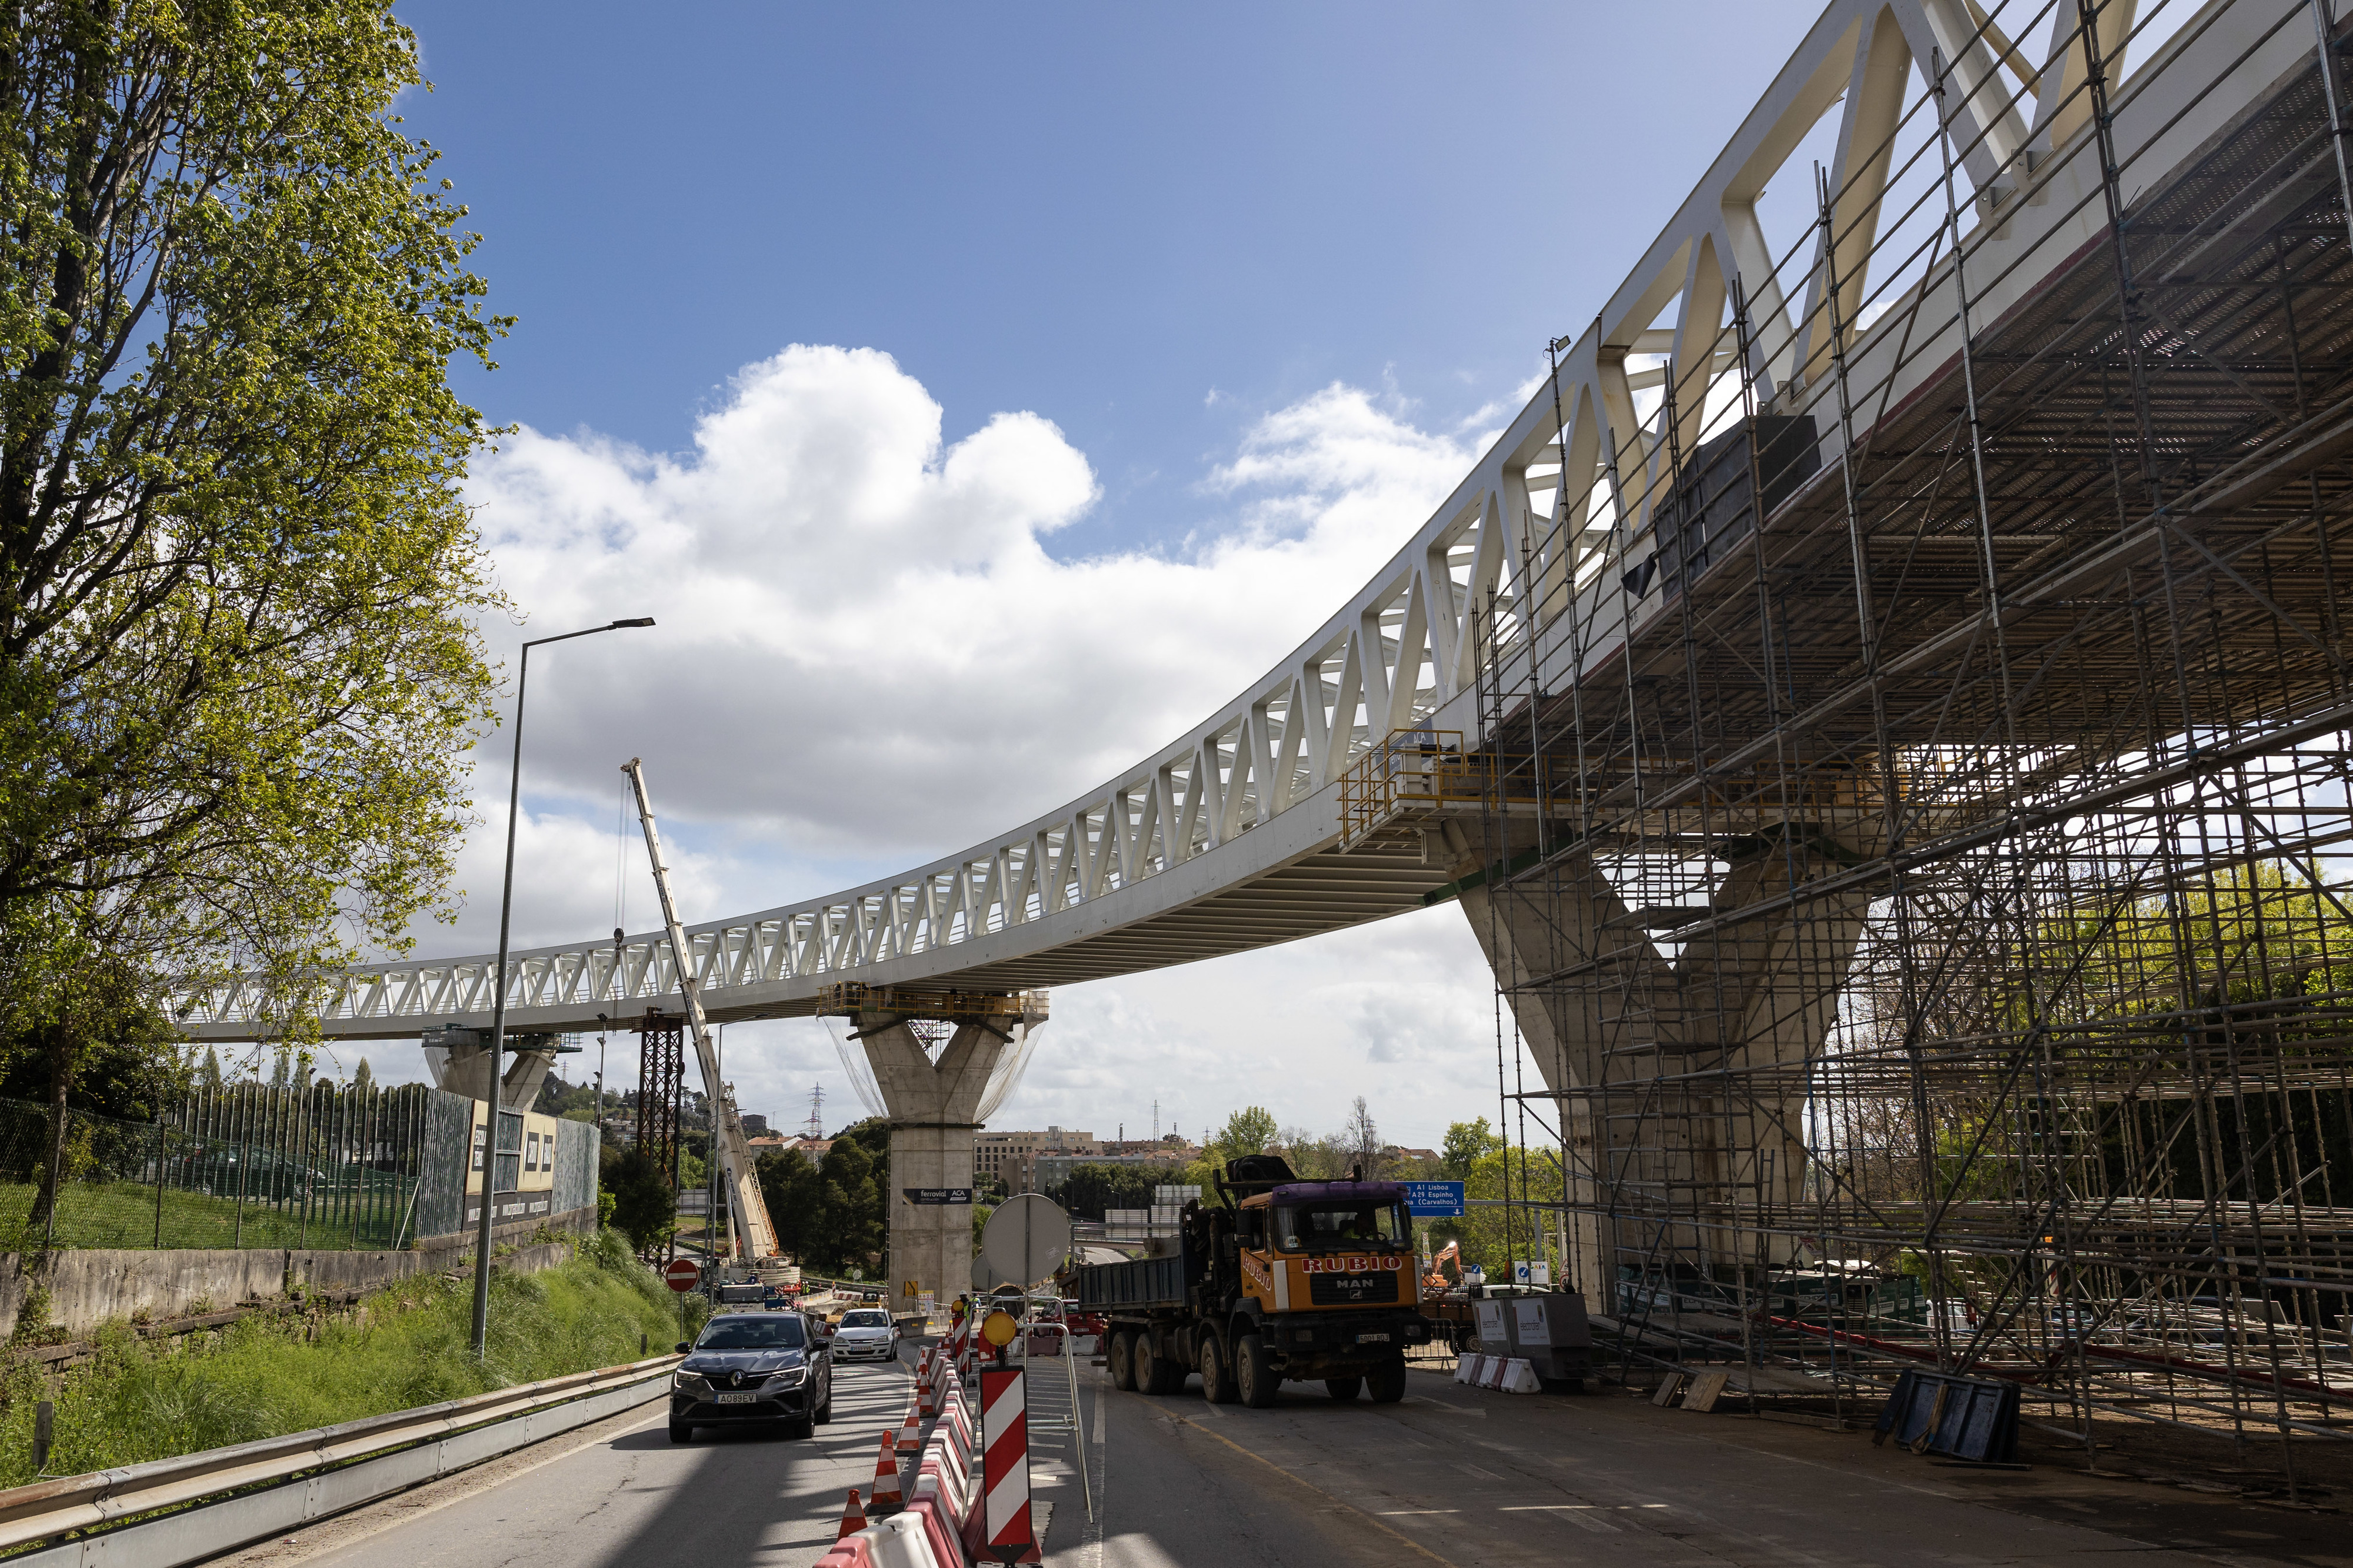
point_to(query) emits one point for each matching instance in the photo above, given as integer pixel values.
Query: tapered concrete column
(459, 1061)
(933, 1105)
(1696, 1066)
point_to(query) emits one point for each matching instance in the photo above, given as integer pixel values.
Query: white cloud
(865, 649)
(867, 658)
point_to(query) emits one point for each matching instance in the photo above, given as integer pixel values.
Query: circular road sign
(1026, 1238)
(999, 1329)
(683, 1273)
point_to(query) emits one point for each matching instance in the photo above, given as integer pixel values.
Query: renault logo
(735, 1378)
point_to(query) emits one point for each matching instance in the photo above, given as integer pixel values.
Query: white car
(866, 1333)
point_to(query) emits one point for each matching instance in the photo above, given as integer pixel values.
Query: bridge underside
(1941, 896)
(1280, 882)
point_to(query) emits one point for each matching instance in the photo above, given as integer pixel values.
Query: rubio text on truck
(1281, 1279)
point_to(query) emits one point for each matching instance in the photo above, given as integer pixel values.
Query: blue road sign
(1434, 1200)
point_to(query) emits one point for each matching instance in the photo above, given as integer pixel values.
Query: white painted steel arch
(1228, 838)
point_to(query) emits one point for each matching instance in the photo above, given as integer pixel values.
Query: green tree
(1097, 1185)
(362, 1079)
(238, 583)
(794, 1193)
(64, 1004)
(644, 1207)
(831, 1215)
(1466, 1143)
(854, 1179)
(1250, 1131)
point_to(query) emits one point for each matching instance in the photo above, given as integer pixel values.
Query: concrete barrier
(89, 1286)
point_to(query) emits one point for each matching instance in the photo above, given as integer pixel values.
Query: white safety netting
(1002, 1079)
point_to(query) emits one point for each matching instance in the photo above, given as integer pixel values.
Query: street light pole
(498, 992)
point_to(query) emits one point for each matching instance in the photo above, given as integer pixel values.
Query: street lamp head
(640, 621)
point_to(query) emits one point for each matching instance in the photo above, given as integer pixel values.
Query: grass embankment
(122, 1213)
(410, 1345)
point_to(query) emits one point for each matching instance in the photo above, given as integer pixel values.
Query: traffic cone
(853, 1518)
(886, 1495)
(924, 1406)
(910, 1434)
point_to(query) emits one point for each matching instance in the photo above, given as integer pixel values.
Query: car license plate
(743, 1399)
(1372, 1338)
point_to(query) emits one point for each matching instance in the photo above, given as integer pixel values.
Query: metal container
(1550, 1333)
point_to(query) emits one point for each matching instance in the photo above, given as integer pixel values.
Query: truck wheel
(1216, 1373)
(1388, 1381)
(1121, 1357)
(1254, 1380)
(1156, 1372)
(1342, 1388)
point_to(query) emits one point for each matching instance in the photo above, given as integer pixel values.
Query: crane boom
(746, 1207)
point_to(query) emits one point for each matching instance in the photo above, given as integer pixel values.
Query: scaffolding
(1912, 830)
(661, 1088)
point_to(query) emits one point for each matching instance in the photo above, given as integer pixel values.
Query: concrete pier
(934, 1102)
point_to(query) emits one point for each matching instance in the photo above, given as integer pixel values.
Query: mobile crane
(746, 1208)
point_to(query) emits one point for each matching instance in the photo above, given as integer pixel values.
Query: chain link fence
(248, 1165)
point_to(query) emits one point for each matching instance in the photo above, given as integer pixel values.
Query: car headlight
(686, 1381)
(791, 1377)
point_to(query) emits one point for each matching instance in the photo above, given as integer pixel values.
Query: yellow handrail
(1425, 768)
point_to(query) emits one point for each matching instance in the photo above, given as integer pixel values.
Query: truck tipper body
(1280, 1279)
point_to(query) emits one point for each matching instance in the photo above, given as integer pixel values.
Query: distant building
(1012, 1157)
(754, 1126)
(1430, 1155)
(1052, 1170)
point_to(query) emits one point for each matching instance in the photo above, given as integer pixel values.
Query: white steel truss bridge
(1267, 822)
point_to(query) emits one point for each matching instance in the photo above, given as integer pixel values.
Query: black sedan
(752, 1367)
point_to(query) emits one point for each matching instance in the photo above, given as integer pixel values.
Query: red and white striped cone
(1005, 1533)
(926, 1406)
(885, 1496)
(853, 1518)
(911, 1431)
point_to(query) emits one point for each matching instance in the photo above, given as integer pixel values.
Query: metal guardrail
(222, 1499)
(1041, 1417)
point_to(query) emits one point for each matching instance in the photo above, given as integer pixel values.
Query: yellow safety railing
(1411, 769)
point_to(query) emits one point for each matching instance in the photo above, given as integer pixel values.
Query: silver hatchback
(866, 1333)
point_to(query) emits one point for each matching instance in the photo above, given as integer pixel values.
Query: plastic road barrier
(1503, 1374)
(1004, 1509)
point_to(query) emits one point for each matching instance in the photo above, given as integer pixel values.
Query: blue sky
(1132, 339)
(1104, 214)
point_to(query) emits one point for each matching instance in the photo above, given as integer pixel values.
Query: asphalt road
(1450, 1478)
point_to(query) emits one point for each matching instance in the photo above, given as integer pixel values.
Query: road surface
(1450, 1476)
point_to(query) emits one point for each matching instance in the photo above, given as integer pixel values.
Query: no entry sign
(682, 1275)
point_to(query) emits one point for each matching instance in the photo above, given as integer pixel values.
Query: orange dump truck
(1312, 1282)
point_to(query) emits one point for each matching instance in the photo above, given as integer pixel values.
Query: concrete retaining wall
(89, 1286)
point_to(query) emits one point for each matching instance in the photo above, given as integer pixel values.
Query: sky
(976, 396)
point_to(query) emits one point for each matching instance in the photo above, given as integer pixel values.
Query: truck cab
(1282, 1279)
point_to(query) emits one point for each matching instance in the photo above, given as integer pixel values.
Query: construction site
(1921, 915)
